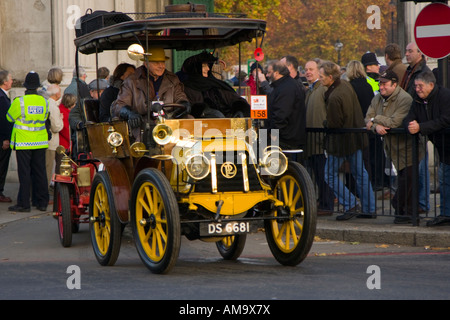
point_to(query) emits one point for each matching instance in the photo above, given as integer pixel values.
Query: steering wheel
(178, 109)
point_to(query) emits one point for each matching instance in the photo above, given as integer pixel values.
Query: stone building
(38, 34)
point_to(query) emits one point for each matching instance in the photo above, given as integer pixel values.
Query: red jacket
(251, 82)
(64, 134)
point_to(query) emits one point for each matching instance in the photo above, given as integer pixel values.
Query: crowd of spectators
(380, 98)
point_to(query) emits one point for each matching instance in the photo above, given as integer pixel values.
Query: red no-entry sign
(432, 30)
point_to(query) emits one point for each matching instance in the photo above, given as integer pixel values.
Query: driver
(164, 87)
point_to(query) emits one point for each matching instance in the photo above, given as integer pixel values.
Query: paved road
(33, 265)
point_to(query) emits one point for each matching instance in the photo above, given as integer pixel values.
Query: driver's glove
(134, 119)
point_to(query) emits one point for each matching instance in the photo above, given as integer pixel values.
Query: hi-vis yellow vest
(29, 114)
(374, 84)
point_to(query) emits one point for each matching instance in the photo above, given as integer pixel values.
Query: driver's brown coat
(133, 92)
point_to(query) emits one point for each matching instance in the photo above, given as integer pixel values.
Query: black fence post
(415, 179)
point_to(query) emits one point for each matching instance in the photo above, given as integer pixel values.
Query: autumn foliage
(308, 29)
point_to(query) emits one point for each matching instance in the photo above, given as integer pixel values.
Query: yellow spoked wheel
(287, 233)
(291, 234)
(230, 248)
(105, 227)
(151, 216)
(155, 221)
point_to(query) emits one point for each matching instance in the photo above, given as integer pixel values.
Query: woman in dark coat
(374, 156)
(210, 97)
(358, 79)
(122, 71)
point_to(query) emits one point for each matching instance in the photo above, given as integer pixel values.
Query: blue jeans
(363, 185)
(424, 184)
(444, 185)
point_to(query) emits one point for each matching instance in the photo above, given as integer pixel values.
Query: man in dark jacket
(393, 57)
(316, 113)
(78, 82)
(344, 111)
(5, 131)
(430, 115)
(287, 111)
(417, 64)
(291, 63)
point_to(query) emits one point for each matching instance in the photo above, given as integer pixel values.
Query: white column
(63, 49)
(25, 41)
(65, 14)
(411, 12)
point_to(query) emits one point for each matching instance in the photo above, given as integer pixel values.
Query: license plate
(227, 228)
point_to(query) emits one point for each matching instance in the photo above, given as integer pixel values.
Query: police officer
(30, 140)
(372, 66)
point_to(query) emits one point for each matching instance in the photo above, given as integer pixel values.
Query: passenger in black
(122, 71)
(210, 97)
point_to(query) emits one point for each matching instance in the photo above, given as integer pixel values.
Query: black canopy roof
(172, 31)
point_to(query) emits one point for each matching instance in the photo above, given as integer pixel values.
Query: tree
(309, 29)
(255, 9)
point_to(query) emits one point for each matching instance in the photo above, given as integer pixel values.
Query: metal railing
(410, 160)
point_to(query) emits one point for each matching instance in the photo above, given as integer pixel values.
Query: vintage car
(209, 179)
(72, 193)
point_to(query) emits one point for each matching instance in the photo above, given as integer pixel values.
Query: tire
(62, 205)
(75, 227)
(291, 239)
(155, 221)
(104, 225)
(230, 248)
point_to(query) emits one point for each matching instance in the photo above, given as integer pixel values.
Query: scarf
(409, 72)
(331, 88)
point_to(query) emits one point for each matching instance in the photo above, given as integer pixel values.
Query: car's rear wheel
(231, 247)
(62, 205)
(105, 227)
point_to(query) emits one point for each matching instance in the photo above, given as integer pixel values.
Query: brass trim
(239, 123)
(162, 157)
(65, 167)
(114, 135)
(84, 177)
(213, 173)
(229, 170)
(162, 134)
(245, 172)
(187, 165)
(138, 150)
